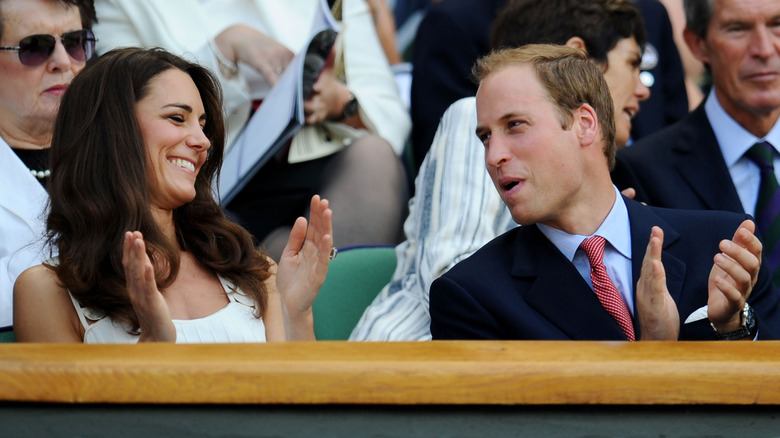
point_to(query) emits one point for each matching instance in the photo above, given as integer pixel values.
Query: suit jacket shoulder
(519, 286)
(679, 167)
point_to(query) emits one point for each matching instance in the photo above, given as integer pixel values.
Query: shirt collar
(615, 229)
(733, 139)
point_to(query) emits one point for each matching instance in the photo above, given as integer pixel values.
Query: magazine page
(275, 121)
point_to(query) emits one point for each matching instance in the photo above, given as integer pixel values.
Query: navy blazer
(668, 100)
(520, 286)
(452, 35)
(679, 167)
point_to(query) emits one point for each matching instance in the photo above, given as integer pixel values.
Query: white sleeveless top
(233, 323)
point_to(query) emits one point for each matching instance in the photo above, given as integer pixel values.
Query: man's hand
(733, 275)
(659, 319)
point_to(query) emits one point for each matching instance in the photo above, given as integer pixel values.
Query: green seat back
(7, 336)
(355, 277)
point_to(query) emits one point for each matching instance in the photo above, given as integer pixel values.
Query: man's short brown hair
(569, 79)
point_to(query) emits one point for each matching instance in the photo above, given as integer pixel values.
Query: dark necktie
(605, 290)
(768, 206)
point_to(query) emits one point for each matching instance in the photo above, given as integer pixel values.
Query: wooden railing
(432, 373)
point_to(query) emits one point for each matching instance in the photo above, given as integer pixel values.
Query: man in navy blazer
(699, 162)
(545, 117)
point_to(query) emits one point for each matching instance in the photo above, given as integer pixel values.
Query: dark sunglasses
(34, 50)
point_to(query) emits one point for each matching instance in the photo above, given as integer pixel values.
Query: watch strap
(748, 327)
(350, 109)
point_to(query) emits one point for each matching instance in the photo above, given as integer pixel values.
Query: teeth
(631, 113)
(178, 162)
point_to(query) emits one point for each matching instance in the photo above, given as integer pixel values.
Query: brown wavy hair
(99, 188)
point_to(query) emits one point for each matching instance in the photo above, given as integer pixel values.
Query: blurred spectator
(356, 104)
(451, 36)
(45, 43)
(454, 33)
(694, 69)
(662, 73)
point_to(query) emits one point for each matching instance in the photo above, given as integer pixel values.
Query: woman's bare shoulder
(41, 278)
(43, 311)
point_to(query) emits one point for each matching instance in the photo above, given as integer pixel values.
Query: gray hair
(698, 14)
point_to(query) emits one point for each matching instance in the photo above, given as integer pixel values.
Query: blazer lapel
(700, 163)
(558, 292)
(642, 220)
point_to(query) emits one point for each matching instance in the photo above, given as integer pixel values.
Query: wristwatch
(350, 109)
(748, 326)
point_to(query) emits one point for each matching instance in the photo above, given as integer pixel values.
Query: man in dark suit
(703, 161)
(662, 73)
(451, 36)
(588, 263)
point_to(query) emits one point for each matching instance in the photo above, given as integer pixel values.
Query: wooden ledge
(400, 373)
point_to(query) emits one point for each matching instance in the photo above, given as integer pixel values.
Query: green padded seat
(355, 277)
(7, 336)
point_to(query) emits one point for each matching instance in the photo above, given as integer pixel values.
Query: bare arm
(43, 311)
(385, 29)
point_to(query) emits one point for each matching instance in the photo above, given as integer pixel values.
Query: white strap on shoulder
(79, 311)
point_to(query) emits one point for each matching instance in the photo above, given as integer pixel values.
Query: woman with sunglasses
(44, 44)
(144, 251)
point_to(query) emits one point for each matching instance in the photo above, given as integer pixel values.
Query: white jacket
(185, 27)
(22, 225)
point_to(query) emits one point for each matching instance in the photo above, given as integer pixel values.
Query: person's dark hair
(568, 77)
(86, 11)
(600, 23)
(99, 188)
(698, 14)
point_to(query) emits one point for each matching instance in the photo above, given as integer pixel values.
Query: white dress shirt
(616, 230)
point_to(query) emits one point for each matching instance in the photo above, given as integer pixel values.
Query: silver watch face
(351, 108)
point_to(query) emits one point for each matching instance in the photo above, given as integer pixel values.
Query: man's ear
(586, 122)
(576, 42)
(697, 45)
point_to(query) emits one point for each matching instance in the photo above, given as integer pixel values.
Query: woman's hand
(248, 45)
(303, 267)
(153, 314)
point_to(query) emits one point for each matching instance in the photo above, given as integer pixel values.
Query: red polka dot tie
(605, 290)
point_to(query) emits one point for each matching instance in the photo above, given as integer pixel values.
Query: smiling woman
(171, 119)
(145, 252)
